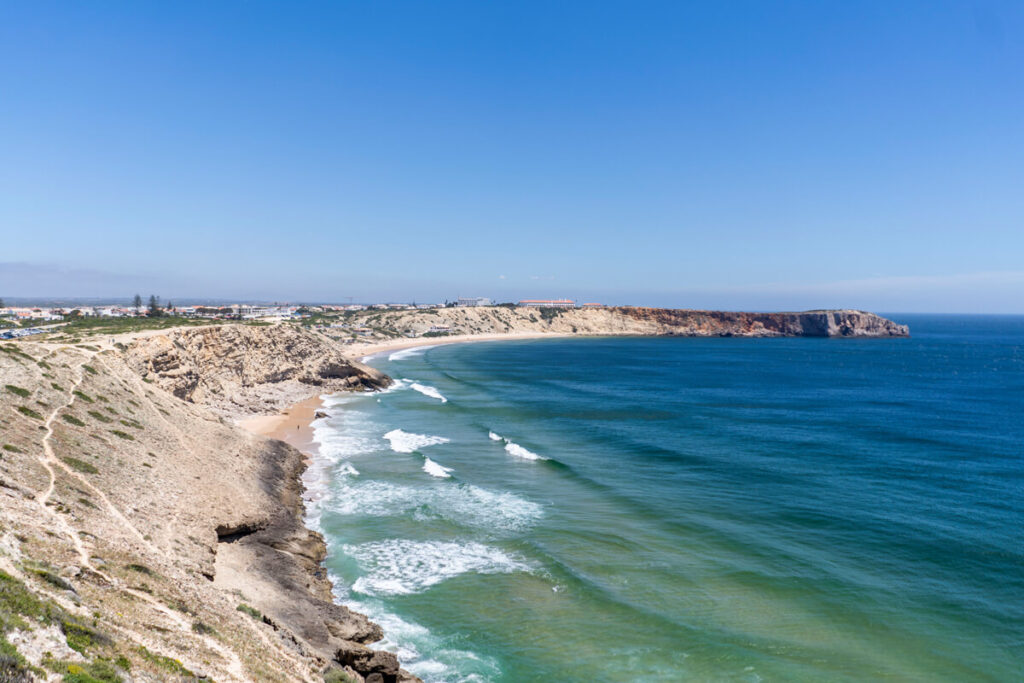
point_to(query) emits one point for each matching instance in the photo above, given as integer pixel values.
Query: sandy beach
(292, 426)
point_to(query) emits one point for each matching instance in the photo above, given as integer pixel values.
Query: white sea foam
(346, 469)
(408, 640)
(436, 470)
(463, 504)
(403, 567)
(346, 433)
(493, 436)
(409, 353)
(428, 390)
(407, 442)
(520, 452)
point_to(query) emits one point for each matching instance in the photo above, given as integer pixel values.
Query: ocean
(671, 509)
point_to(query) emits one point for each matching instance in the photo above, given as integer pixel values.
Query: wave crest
(435, 470)
(408, 442)
(404, 567)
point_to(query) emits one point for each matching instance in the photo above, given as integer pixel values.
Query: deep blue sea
(670, 509)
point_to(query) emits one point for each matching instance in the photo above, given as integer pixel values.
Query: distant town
(21, 321)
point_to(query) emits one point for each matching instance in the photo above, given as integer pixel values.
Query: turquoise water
(689, 509)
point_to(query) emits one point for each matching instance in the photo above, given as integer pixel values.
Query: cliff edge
(144, 537)
(241, 370)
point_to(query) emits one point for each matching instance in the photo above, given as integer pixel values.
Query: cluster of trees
(153, 310)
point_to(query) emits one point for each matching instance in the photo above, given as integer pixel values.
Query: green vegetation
(90, 369)
(203, 629)
(99, 671)
(81, 637)
(436, 334)
(12, 449)
(97, 415)
(251, 611)
(28, 412)
(13, 350)
(80, 465)
(71, 419)
(168, 664)
(13, 667)
(131, 423)
(82, 395)
(56, 386)
(549, 314)
(17, 390)
(140, 568)
(122, 435)
(52, 579)
(111, 326)
(18, 603)
(337, 675)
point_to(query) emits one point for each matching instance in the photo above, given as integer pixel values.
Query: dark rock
(368, 662)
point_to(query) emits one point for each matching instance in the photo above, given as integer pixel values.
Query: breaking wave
(463, 504)
(428, 390)
(436, 470)
(403, 567)
(407, 442)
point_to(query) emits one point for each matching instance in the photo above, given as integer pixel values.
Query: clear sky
(758, 155)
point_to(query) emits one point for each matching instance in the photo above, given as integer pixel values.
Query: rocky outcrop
(835, 323)
(241, 369)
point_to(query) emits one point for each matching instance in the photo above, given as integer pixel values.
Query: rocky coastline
(142, 526)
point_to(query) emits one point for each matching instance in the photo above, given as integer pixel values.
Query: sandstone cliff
(241, 369)
(376, 325)
(145, 538)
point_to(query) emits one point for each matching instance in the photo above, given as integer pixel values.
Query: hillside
(143, 535)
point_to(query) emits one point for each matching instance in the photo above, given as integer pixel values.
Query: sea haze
(664, 509)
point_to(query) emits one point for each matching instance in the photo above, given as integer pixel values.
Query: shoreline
(361, 352)
(294, 425)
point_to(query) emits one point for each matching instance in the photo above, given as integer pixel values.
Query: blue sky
(759, 155)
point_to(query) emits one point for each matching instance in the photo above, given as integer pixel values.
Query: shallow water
(676, 509)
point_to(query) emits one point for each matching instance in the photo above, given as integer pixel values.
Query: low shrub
(28, 412)
(80, 465)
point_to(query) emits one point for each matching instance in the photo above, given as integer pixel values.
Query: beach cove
(516, 477)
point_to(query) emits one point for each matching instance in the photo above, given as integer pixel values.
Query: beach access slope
(141, 530)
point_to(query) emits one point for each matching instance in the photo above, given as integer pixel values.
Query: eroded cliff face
(142, 532)
(834, 323)
(625, 321)
(241, 369)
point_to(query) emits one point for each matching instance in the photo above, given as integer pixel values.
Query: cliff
(375, 326)
(241, 369)
(144, 537)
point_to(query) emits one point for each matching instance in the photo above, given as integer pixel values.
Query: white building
(474, 301)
